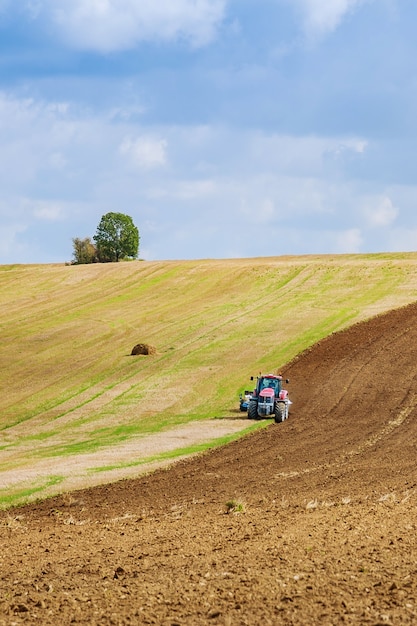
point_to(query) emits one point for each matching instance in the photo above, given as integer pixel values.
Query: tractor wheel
(253, 410)
(280, 412)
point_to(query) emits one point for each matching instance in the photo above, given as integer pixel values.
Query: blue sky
(224, 128)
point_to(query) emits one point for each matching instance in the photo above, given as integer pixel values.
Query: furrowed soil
(312, 521)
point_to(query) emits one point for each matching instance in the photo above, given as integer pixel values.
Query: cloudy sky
(224, 128)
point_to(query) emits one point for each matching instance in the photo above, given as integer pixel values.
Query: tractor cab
(269, 381)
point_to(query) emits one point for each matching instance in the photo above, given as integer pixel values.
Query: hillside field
(311, 521)
(76, 409)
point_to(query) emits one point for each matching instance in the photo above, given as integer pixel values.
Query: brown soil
(327, 534)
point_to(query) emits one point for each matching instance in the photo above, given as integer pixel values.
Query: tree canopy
(116, 238)
(84, 251)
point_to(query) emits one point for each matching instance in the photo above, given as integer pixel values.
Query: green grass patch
(20, 495)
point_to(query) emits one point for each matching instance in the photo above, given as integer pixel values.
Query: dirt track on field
(78, 468)
(327, 534)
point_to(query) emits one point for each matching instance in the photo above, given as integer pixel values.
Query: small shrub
(235, 506)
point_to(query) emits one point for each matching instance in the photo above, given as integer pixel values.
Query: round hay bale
(143, 348)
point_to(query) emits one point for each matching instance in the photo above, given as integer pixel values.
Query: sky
(224, 128)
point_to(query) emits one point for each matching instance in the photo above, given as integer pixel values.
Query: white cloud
(48, 211)
(381, 212)
(57, 161)
(184, 189)
(126, 113)
(109, 25)
(357, 146)
(349, 241)
(34, 137)
(8, 239)
(323, 16)
(194, 189)
(33, 7)
(145, 152)
(61, 168)
(402, 240)
(266, 210)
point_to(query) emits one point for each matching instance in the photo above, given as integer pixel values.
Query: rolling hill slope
(312, 521)
(69, 387)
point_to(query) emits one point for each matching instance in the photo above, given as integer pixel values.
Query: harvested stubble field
(312, 521)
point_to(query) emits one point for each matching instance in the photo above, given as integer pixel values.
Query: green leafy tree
(116, 238)
(84, 251)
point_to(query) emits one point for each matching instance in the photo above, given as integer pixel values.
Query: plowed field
(323, 530)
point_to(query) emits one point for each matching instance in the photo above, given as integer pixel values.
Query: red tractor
(269, 398)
